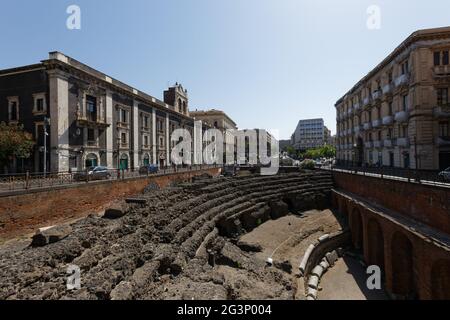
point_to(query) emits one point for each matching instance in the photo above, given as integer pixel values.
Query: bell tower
(177, 98)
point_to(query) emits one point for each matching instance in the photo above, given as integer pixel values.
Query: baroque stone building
(398, 115)
(94, 119)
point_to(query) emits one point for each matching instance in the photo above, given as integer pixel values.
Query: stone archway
(375, 244)
(440, 280)
(356, 228)
(91, 160)
(403, 284)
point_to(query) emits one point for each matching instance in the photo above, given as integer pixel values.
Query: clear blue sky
(266, 63)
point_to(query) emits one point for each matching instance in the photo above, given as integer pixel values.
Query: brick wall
(427, 204)
(24, 213)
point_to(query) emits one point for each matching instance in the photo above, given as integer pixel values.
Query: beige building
(219, 120)
(398, 115)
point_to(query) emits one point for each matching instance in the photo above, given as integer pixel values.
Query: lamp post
(46, 123)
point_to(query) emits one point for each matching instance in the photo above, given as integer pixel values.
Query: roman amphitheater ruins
(302, 235)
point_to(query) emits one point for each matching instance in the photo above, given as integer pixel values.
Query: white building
(310, 134)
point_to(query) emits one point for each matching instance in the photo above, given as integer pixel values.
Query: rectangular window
(90, 135)
(124, 138)
(445, 58)
(146, 141)
(443, 129)
(145, 122)
(123, 116)
(91, 108)
(391, 109)
(442, 96)
(13, 111)
(405, 67)
(437, 58)
(405, 102)
(40, 104)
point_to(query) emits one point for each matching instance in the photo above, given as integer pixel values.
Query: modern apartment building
(310, 134)
(94, 119)
(398, 115)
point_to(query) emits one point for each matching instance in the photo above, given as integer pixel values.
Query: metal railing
(27, 181)
(401, 174)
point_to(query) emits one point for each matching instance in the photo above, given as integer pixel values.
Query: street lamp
(46, 123)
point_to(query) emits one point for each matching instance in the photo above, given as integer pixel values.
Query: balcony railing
(442, 111)
(376, 123)
(441, 71)
(387, 89)
(349, 111)
(356, 106)
(388, 120)
(367, 126)
(402, 116)
(403, 142)
(402, 80)
(443, 141)
(357, 129)
(349, 132)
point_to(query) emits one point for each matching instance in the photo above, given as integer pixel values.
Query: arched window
(180, 105)
(184, 107)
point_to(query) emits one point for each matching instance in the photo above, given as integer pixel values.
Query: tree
(290, 150)
(326, 151)
(14, 143)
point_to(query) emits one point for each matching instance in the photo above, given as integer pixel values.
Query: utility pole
(46, 123)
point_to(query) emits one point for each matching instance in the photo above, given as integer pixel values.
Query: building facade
(398, 115)
(94, 119)
(310, 134)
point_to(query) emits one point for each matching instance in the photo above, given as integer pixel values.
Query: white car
(445, 175)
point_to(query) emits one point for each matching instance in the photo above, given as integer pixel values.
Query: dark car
(445, 175)
(151, 168)
(92, 173)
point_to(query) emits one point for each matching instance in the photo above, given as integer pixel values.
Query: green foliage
(14, 142)
(290, 150)
(322, 152)
(307, 164)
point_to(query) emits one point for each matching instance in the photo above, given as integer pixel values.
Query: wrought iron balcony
(357, 129)
(356, 106)
(367, 126)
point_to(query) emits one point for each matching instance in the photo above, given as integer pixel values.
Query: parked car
(445, 175)
(92, 173)
(151, 168)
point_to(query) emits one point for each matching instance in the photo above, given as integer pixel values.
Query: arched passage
(357, 229)
(402, 266)
(343, 207)
(91, 160)
(440, 280)
(375, 244)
